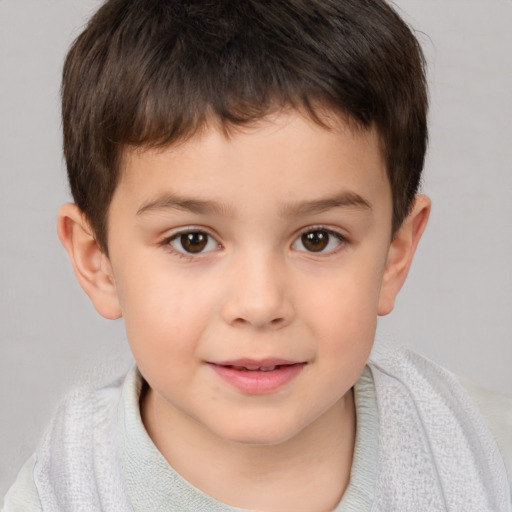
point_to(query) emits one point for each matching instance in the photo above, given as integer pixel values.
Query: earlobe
(401, 252)
(92, 267)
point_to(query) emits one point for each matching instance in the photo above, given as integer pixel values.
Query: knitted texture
(78, 466)
(435, 450)
(435, 453)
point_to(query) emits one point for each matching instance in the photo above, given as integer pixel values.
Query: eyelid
(183, 230)
(177, 232)
(342, 239)
(322, 227)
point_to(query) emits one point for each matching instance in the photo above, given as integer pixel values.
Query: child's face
(249, 271)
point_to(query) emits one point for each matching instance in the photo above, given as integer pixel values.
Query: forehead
(286, 156)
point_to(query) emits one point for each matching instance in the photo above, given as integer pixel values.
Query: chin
(259, 433)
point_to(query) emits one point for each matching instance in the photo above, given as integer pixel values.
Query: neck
(310, 471)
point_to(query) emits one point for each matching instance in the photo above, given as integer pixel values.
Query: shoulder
(496, 410)
(481, 416)
(86, 412)
(80, 439)
(423, 408)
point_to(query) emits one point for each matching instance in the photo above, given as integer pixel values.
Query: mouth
(258, 377)
(256, 368)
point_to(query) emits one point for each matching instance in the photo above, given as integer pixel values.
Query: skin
(255, 290)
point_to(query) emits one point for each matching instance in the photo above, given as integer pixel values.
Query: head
(245, 178)
(151, 73)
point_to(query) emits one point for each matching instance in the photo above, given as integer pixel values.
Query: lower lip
(258, 382)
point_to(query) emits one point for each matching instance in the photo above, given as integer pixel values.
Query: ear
(401, 252)
(92, 267)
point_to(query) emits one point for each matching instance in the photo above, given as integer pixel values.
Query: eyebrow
(174, 202)
(203, 207)
(340, 200)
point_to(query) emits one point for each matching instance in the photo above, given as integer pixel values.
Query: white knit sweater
(421, 444)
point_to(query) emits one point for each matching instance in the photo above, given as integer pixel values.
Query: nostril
(260, 311)
(242, 322)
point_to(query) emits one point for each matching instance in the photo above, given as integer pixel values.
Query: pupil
(315, 241)
(194, 242)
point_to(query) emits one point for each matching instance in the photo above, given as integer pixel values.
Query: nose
(258, 295)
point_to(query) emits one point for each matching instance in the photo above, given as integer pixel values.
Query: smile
(258, 377)
(256, 368)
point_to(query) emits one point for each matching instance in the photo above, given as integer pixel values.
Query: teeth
(254, 368)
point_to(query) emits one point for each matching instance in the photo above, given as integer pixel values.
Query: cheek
(164, 316)
(346, 300)
(342, 312)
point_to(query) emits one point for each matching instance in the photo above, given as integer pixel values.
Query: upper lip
(255, 364)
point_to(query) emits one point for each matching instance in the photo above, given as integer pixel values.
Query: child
(245, 179)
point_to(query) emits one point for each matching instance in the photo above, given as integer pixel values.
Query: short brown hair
(150, 72)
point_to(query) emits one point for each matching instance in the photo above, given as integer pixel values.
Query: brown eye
(315, 241)
(194, 242)
(319, 240)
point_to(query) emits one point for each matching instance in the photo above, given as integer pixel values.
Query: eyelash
(342, 240)
(167, 242)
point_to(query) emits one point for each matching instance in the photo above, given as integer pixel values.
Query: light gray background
(456, 307)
